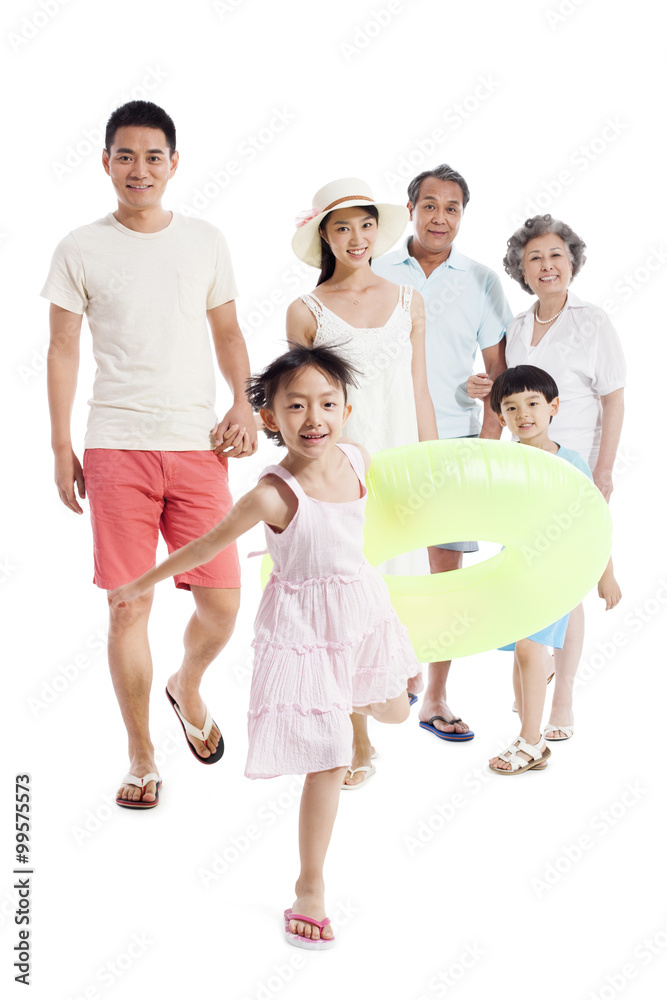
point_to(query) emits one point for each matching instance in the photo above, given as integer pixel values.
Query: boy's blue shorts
(552, 635)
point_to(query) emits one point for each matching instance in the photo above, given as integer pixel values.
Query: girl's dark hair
(523, 378)
(261, 389)
(328, 260)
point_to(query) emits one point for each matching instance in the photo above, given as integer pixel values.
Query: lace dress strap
(406, 297)
(315, 307)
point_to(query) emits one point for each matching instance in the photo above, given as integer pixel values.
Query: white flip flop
(368, 768)
(132, 779)
(568, 730)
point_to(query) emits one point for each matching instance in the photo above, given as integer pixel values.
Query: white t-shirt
(583, 354)
(146, 296)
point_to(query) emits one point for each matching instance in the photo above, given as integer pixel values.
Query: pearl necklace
(544, 322)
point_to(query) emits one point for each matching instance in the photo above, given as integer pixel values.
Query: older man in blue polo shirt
(465, 310)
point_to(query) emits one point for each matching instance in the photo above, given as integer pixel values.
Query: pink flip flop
(303, 942)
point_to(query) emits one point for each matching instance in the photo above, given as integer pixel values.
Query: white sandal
(132, 779)
(370, 771)
(568, 730)
(538, 752)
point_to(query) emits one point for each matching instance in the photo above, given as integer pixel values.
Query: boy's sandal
(199, 734)
(299, 941)
(539, 754)
(370, 771)
(132, 779)
(568, 730)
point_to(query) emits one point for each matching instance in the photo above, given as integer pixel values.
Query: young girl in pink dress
(327, 639)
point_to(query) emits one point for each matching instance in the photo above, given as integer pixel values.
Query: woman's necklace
(544, 322)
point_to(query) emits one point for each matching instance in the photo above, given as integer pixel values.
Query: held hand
(609, 591)
(122, 596)
(68, 471)
(479, 386)
(236, 434)
(603, 481)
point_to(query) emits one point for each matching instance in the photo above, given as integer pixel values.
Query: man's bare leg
(434, 701)
(206, 634)
(131, 674)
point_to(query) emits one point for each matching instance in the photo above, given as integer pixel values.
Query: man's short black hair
(140, 114)
(523, 378)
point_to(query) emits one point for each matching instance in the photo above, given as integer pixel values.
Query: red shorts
(135, 495)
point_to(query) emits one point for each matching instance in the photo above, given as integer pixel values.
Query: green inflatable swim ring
(551, 519)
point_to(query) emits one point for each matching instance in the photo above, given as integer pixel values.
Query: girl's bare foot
(310, 904)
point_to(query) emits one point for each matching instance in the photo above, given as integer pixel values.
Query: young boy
(525, 399)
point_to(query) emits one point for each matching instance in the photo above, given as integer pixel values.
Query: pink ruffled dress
(326, 637)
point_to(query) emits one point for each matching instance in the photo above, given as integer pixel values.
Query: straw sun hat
(350, 192)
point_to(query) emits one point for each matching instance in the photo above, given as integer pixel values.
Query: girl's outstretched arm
(266, 502)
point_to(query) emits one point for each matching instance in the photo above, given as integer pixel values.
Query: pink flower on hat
(304, 217)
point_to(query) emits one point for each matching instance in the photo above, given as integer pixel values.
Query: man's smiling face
(140, 163)
(437, 214)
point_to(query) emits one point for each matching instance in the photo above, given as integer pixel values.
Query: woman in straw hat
(374, 324)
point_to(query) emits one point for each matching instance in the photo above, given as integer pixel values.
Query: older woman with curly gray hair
(572, 340)
(577, 345)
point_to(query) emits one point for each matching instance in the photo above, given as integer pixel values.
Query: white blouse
(582, 353)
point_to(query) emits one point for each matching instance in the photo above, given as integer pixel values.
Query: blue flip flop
(412, 698)
(451, 737)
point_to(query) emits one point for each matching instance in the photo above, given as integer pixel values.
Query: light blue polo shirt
(465, 309)
(575, 459)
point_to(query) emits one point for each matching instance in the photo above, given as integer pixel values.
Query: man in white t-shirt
(155, 457)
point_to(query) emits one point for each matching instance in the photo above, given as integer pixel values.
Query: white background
(536, 91)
